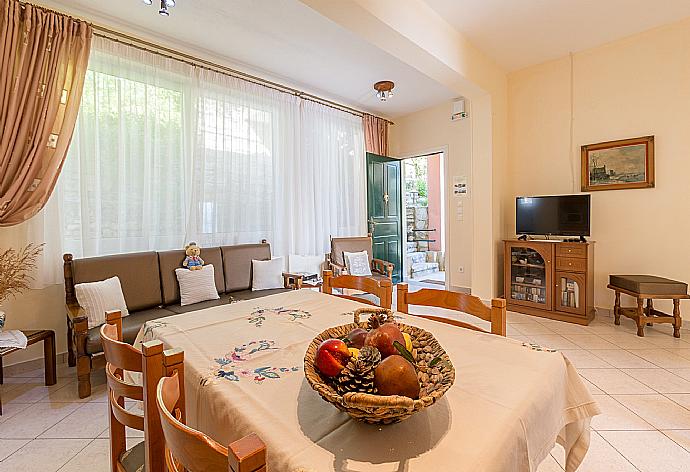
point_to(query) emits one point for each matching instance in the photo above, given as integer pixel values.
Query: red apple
(331, 357)
(356, 337)
(383, 337)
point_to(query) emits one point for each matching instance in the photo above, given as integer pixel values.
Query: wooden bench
(648, 287)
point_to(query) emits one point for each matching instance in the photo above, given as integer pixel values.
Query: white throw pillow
(357, 263)
(197, 285)
(98, 297)
(308, 264)
(267, 274)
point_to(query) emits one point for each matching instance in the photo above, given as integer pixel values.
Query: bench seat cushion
(223, 300)
(251, 295)
(130, 328)
(649, 284)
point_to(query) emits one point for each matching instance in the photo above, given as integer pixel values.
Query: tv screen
(565, 215)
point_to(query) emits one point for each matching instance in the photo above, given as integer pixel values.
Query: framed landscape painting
(617, 165)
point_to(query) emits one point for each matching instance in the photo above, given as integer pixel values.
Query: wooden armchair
(189, 450)
(462, 302)
(336, 263)
(381, 288)
(153, 364)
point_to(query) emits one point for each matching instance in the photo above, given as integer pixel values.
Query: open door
(384, 208)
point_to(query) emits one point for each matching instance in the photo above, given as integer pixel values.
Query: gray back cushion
(355, 244)
(138, 273)
(171, 260)
(237, 262)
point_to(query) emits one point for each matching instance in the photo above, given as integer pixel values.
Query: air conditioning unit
(459, 112)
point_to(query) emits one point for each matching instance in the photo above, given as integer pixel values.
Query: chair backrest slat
(461, 302)
(381, 288)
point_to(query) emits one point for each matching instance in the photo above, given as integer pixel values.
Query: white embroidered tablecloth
(244, 373)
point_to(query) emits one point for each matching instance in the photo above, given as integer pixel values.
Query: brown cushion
(171, 260)
(130, 328)
(138, 274)
(356, 244)
(649, 284)
(237, 264)
(223, 300)
(133, 459)
(251, 295)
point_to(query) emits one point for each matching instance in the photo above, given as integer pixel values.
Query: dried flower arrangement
(16, 268)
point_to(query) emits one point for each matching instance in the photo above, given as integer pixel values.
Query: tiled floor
(642, 385)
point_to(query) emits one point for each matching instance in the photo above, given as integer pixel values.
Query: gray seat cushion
(133, 459)
(649, 284)
(223, 300)
(130, 328)
(138, 274)
(171, 260)
(251, 295)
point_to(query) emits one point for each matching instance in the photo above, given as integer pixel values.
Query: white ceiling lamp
(165, 4)
(384, 89)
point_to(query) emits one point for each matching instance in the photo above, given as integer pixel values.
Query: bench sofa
(151, 291)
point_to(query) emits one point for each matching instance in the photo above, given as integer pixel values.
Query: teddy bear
(193, 261)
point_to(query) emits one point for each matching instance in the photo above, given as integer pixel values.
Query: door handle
(386, 198)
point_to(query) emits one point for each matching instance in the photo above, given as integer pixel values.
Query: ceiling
(519, 33)
(282, 40)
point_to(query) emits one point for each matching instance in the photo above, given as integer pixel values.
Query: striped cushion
(197, 285)
(132, 460)
(98, 297)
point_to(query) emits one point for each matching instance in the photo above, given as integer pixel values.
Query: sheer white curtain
(165, 152)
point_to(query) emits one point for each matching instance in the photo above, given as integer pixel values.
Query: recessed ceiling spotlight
(384, 89)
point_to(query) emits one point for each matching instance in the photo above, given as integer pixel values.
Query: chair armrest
(382, 267)
(293, 281)
(75, 314)
(337, 268)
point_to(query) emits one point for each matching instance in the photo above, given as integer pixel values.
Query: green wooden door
(384, 205)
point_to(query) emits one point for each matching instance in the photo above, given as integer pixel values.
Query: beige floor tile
(622, 359)
(530, 329)
(683, 399)
(629, 341)
(87, 421)
(660, 380)
(613, 381)
(601, 457)
(33, 421)
(549, 465)
(602, 328)
(589, 341)
(616, 417)
(583, 359)
(593, 389)
(665, 340)
(560, 327)
(8, 411)
(682, 352)
(680, 437)
(684, 373)
(662, 358)
(43, 455)
(93, 458)
(553, 341)
(657, 410)
(9, 446)
(31, 391)
(649, 451)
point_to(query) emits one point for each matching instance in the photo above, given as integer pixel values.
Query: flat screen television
(564, 215)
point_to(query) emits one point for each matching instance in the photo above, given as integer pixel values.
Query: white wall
(634, 87)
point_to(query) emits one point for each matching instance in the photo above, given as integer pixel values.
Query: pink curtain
(375, 135)
(43, 61)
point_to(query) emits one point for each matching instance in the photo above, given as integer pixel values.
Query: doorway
(424, 253)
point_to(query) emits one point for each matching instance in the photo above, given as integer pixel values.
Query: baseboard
(15, 370)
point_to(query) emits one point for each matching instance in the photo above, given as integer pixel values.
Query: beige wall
(634, 87)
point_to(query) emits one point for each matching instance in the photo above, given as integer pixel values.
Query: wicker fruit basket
(434, 372)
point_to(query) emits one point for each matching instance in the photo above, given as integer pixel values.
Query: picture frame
(618, 165)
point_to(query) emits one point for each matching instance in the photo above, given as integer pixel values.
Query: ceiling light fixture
(165, 5)
(384, 89)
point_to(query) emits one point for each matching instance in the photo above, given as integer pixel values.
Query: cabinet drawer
(571, 264)
(571, 250)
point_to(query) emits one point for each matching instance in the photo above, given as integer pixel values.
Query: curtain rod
(163, 51)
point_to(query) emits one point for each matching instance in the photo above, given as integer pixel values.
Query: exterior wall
(434, 192)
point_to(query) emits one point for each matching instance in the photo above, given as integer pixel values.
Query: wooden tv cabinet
(551, 279)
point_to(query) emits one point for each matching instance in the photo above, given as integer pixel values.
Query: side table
(49, 358)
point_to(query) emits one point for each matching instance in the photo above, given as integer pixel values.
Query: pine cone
(376, 319)
(358, 374)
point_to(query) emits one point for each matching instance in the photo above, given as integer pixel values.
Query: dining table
(244, 373)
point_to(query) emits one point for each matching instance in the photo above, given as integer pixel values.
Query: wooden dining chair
(149, 454)
(462, 302)
(380, 288)
(189, 450)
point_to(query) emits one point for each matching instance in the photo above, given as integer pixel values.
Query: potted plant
(15, 272)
